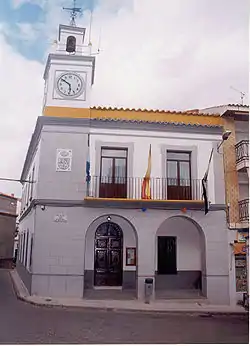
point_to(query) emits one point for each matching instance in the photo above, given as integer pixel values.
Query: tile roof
(226, 105)
(236, 105)
(152, 122)
(187, 112)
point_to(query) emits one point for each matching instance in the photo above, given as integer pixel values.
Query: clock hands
(68, 84)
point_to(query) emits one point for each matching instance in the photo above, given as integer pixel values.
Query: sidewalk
(158, 306)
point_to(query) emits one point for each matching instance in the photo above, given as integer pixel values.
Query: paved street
(21, 322)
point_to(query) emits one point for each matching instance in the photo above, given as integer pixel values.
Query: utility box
(148, 289)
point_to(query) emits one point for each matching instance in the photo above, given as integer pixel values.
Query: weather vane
(73, 12)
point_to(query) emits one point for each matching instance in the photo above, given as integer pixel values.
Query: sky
(154, 54)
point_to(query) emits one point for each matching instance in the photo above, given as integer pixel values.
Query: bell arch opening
(71, 44)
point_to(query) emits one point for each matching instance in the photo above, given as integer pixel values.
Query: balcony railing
(244, 210)
(241, 150)
(131, 188)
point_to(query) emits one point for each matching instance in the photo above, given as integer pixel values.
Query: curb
(128, 310)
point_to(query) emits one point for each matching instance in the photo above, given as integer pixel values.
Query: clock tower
(69, 75)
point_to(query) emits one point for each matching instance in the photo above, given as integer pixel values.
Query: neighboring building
(236, 169)
(89, 219)
(7, 228)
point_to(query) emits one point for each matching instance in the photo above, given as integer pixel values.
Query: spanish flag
(145, 190)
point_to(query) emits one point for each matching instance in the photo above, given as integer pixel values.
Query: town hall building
(112, 197)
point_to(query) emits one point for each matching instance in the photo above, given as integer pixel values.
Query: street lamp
(225, 137)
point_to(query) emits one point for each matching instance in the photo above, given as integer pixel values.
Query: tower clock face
(70, 84)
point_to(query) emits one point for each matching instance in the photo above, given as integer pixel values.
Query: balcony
(242, 155)
(244, 210)
(173, 191)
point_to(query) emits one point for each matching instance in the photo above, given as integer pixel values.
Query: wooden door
(167, 255)
(108, 255)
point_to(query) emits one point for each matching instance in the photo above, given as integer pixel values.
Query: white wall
(59, 247)
(69, 185)
(71, 65)
(188, 244)
(27, 225)
(158, 140)
(35, 162)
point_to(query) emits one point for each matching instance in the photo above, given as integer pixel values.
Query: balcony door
(179, 175)
(113, 179)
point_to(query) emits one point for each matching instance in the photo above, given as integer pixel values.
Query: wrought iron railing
(132, 188)
(241, 150)
(244, 210)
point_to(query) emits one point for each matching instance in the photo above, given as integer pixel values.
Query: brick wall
(230, 171)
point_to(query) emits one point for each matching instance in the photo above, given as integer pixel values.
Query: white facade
(61, 252)
(64, 225)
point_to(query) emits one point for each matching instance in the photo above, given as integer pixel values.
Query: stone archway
(180, 261)
(128, 280)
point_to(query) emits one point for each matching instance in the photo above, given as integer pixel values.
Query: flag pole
(204, 184)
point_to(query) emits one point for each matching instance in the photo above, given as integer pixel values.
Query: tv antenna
(242, 94)
(74, 11)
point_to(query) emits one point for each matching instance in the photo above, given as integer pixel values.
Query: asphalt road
(23, 323)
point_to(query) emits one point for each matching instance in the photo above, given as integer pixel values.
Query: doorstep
(157, 306)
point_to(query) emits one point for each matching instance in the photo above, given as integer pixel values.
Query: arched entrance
(108, 255)
(180, 259)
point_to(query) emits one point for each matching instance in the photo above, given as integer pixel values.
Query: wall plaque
(130, 256)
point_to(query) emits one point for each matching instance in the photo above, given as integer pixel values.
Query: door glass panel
(172, 173)
(120, 171)
(178, 156)
(114, 152)
(115, 257)
(102, 230)
(113, 231)
(101, 243)
(115, 243)
(184, 173)
(106, 173)
(101, 259)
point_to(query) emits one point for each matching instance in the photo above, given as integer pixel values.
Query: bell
(71, 44)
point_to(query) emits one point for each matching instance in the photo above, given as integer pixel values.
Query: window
(23, 246)
(167, 255)
(179, 175)
(24, 196)
(26, 249)
(26, 193)
(29, 189)
(32, 183)
(113, 179)
(19, 247)
(31, 250)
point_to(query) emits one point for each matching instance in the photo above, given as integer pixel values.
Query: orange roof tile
(188, 112)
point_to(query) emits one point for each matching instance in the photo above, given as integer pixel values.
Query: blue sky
(155, 54)
(34, 14)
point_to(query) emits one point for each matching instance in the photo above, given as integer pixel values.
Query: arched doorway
(180, 261)
(108, 255)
